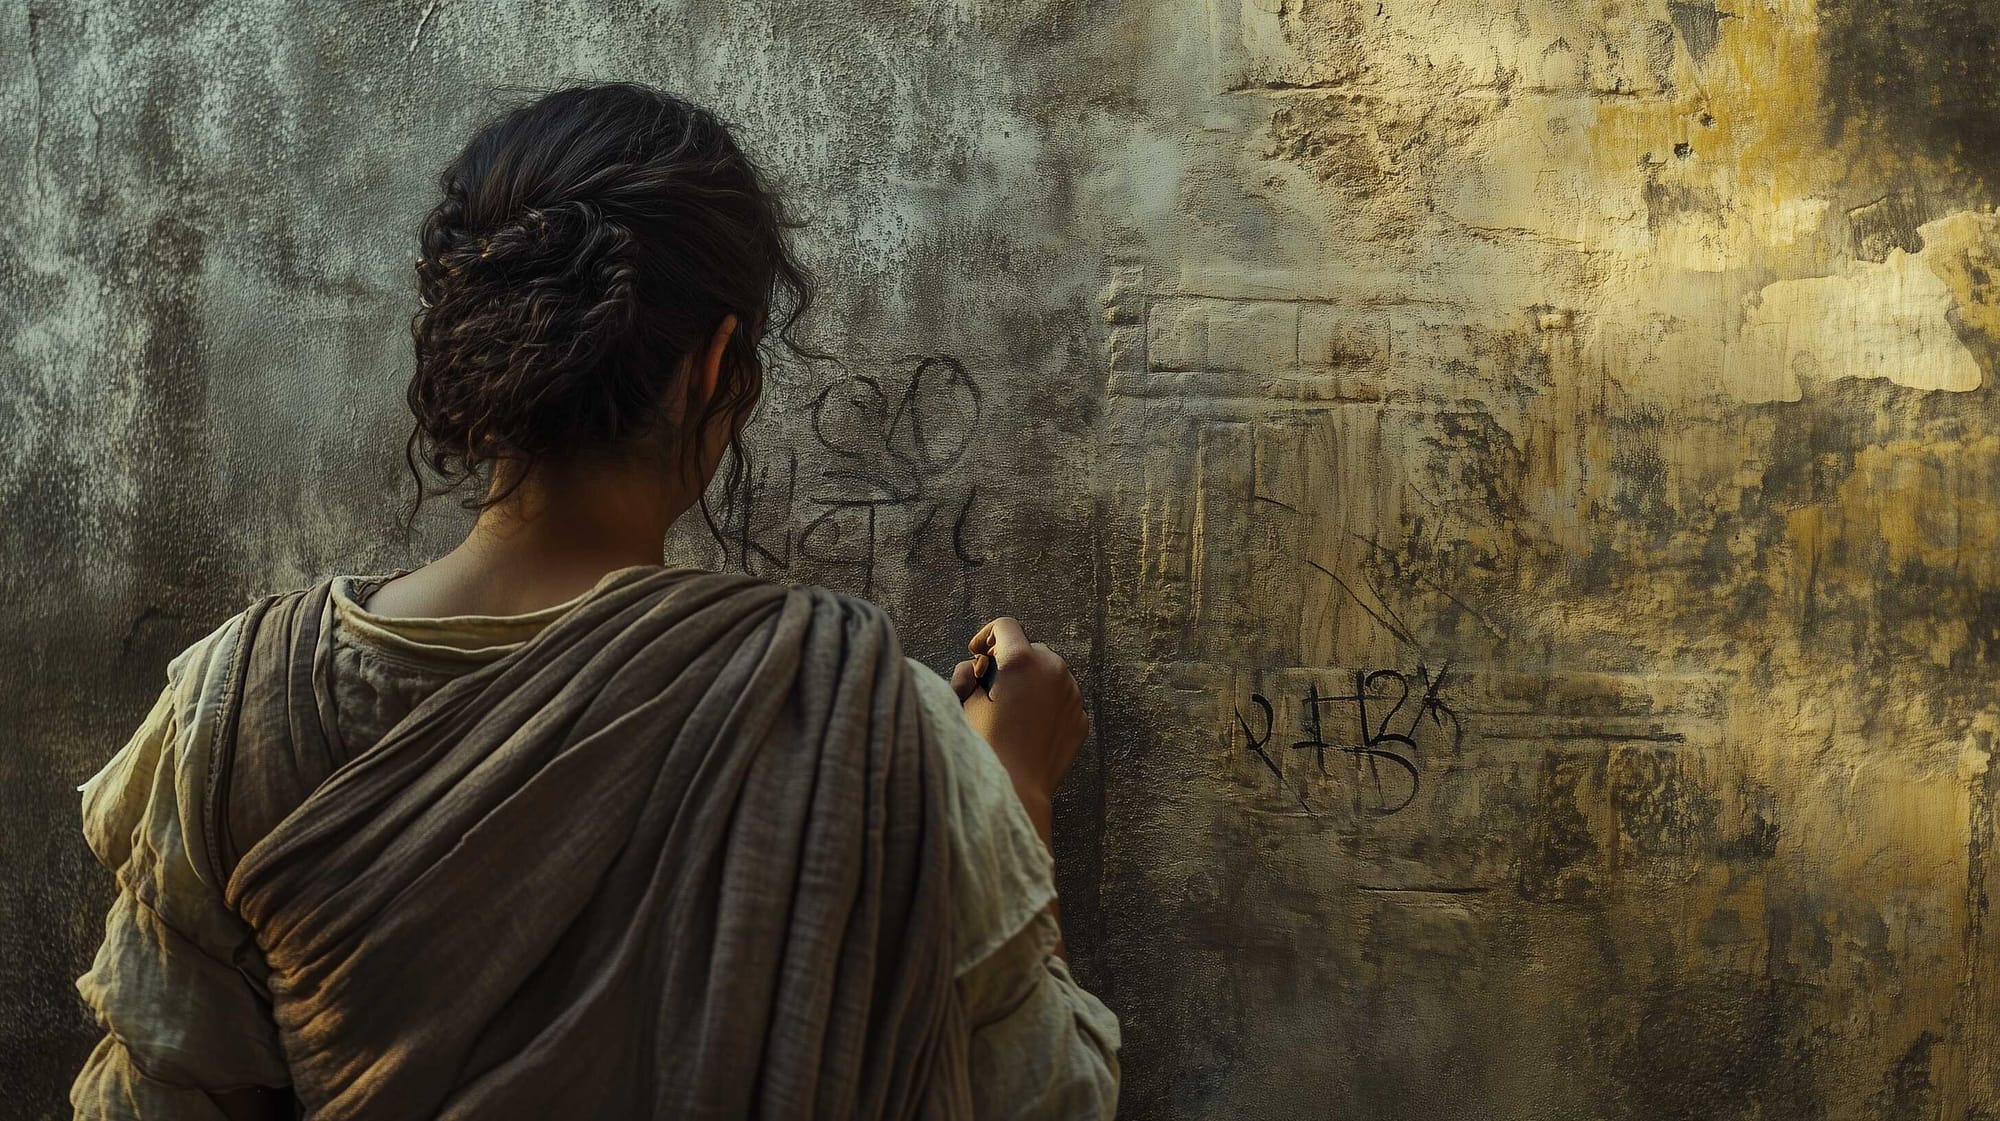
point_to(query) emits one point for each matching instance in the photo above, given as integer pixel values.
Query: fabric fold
(683, 853)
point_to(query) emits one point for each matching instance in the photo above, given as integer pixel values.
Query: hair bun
(583, 246)
(527, 310)
(572, 245)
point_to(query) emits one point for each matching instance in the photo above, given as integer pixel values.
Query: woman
(545, 829)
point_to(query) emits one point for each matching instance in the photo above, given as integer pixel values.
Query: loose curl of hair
(585, 245)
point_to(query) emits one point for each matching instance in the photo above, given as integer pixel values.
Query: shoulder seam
(221, 761)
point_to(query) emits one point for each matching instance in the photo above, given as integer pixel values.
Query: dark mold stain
(1716, 1049)
(1721, 930)
(1474, 453)
(1699, 23)
(1595, 571)
(1907, 1093)
(171, 440)
(1799, 943)
(1640, 469)
(1859, 601)
(1889, 222)
(1667, 200)
(1758, 839)
(1660, 810)
(28, 293)
(1921, 77)
(1984, 819)
(1560, 861)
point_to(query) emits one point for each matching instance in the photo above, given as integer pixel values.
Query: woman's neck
(553, 539)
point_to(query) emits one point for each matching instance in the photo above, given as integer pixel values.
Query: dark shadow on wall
(1920, 77)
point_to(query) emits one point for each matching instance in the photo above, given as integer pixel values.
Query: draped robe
(682, 854)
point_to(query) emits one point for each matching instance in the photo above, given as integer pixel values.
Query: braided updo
(586, 243)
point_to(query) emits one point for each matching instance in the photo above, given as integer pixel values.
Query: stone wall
(1518, 480)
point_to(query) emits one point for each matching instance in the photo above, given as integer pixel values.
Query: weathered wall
(1518, 478)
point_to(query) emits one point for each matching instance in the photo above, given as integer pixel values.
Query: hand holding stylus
(1022, 698)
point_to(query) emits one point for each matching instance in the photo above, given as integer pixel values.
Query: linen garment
(688, 845)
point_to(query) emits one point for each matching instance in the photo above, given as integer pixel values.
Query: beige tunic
(177, 984)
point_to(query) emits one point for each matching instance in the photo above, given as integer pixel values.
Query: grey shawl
(681, 855)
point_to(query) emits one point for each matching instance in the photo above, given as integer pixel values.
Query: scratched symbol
(1388, 759)
(892, 455)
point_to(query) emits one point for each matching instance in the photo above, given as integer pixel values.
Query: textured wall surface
(1518, 478)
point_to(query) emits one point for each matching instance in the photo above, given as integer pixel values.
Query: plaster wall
(1518, 482)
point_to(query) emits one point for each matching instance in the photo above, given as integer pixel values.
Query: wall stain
(1889, 222)
(1561, 860)
(1700, 25)
(1907, 1093)
(1717, 1049)
(1920, 77)
(1626, 366)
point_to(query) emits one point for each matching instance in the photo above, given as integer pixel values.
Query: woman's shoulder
(144, 801)
(199, 664)
(1002, 876)
(159, 776)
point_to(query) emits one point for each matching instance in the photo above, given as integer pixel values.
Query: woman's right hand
(1031, 713)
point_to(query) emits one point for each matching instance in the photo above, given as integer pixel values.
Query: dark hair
(585, 244)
